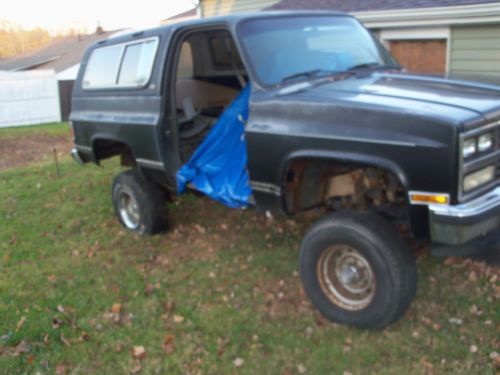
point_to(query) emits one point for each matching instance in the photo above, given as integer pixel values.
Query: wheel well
(105, 148)
(310, 183)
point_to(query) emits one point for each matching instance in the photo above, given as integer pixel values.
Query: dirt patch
(22, 150)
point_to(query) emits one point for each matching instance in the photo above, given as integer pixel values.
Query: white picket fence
(28, 98)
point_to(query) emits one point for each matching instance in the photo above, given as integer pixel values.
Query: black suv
(326, 119)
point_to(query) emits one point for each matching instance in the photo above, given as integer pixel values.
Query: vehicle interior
(209, 76)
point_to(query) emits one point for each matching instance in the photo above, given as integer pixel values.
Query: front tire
(357, 270)
(139, 205)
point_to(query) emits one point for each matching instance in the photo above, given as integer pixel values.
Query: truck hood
(413, 92)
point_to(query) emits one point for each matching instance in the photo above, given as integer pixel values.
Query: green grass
(223, 271)
(56, 128)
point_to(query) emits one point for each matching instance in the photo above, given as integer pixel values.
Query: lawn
(219, 293)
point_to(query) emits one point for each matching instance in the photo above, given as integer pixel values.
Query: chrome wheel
(129, 210)
(346, 277)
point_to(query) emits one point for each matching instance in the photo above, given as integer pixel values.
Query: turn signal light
(426, 198)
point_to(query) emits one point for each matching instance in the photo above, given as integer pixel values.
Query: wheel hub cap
(346, 277)
(129, 210)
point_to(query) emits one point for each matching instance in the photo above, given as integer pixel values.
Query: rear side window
(102, 67)
(122, 65)
(137, 63)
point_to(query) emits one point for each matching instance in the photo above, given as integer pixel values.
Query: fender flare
(370, 160)
(106, 137)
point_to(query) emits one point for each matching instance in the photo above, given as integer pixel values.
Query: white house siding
(475, 50)
(220, 7)
(29, 97)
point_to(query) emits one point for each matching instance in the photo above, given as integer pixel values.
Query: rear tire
(139, 204)
(357, 270)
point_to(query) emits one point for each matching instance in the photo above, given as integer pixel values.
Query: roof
(372, 5)
(187, 14)
(59, 55)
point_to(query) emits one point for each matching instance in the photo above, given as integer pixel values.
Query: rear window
(121, 65)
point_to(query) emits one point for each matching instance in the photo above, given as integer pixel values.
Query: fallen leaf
(116, 308)
(56, 323)
(428, 366)
(456, 321)
(473, 276)
(178, 318)
(52, 278)
(169, 306)
(238, 362)
(137, 367)
(118, 347)
(437, 326)
(20, 323)
(301, 368)
(84, 337)
(138, 352)
(61, 369)
(473, 349)
(168, 346)
(30, 359)
(149, 289)
(60, 308)
(200, 229)
(22, 347)
(65, 340)
(212, 275)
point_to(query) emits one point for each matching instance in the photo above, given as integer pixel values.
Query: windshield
(278, 48)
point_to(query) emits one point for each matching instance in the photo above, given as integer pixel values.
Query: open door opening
(211, 97)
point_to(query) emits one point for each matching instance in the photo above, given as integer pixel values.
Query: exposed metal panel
(29, 97)
(211, 8)
(475, 50)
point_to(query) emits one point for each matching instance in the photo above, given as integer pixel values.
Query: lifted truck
(325, 118)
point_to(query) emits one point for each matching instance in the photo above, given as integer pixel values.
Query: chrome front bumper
(76, 156)
(466, 222)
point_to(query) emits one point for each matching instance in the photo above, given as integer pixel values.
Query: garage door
(422, 56)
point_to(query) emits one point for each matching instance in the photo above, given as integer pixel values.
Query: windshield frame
(248, 62)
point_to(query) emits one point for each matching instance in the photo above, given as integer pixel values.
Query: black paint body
(404, 123)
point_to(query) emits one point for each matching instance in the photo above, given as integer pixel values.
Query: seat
(203, 94)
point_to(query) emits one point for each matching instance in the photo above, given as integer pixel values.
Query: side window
(185, 65)
(223, 58)
(122, 65)
(102, 67)
(137, 63)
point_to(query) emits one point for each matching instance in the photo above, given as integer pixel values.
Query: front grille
(480, 160)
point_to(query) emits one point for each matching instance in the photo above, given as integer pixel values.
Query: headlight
(481, 177)
(485, 142)
(469, 147)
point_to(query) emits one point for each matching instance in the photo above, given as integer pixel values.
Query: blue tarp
(218, 168)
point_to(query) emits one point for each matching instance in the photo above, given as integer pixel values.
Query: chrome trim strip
(481, 129)
(150, 163)
(475, 207)
(426, 193)
(265, 187)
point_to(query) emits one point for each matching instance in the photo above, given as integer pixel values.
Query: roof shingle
(371, 5)
(59, 55)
